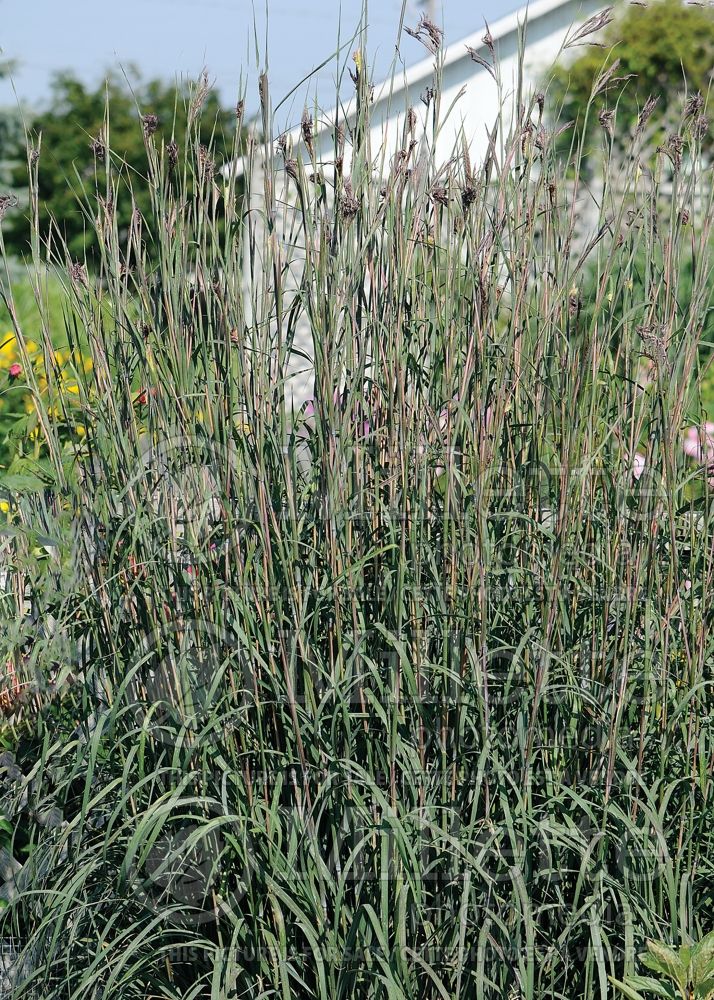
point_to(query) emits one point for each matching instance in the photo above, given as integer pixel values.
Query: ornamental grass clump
(404, 692)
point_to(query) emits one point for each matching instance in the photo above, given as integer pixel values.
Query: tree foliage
(663, 50)
(82, 126)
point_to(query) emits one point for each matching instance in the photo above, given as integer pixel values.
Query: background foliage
(663, 49)
(71, 135)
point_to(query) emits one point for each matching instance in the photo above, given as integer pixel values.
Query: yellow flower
(8, 346)
(80, 430)
(4, 506)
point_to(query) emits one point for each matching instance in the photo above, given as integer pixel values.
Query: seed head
(541, 138)
(563, 128)
(700, 127)
(203, 88)
(172, 152)
(645, 114)
(205, 162)
(675, 145)
(349, 206)
(694, 105)
(427, 97)
(468, 195)
(654, 346)
(399, 161)
(264, 92)
(306, 126)
(606, 119)
(98, 148)
(7, 201)
(574, 301)
(480, 61)
(78, 274)
(607, 77)
(594, 24)
(525, 136)
(428, 33)
(150, 123)
(439, 195)
(435, 34)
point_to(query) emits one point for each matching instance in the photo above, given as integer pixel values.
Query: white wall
(470, 97)
(470, 102)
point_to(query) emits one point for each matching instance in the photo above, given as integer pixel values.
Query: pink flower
(699, 443)
(638, 465)
(14, 370)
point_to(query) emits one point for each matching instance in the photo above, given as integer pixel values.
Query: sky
(174, 38)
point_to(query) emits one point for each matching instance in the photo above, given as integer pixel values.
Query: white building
(470, 95)
(472, 99)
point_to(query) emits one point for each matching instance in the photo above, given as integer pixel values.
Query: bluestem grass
(405, 694)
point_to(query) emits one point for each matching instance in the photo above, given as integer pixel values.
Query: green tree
(81, 126)
(662, 50)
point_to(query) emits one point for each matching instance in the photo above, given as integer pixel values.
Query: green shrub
(660, 51)
(687, 972)
(68, 140)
